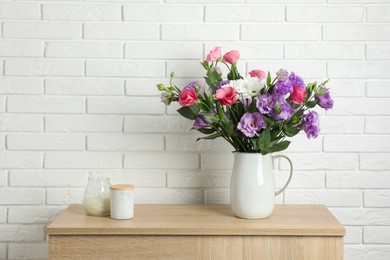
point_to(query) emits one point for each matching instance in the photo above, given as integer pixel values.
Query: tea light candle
(122, 201)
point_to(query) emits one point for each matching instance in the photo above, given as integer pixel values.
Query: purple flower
(282, 75)
(324, 100)
(311, 124)
(282, 110)
(192, 85)
(265, 103)
(287, 86)
(251, 123)
(221, 83)
(200, 122)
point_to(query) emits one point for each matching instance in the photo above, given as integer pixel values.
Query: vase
(96, 200)
(252, 186)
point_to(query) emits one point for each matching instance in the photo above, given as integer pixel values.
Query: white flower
(247, 87)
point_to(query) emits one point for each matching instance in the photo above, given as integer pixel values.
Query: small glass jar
(96, 201)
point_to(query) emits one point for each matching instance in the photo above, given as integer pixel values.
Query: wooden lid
(122, 187)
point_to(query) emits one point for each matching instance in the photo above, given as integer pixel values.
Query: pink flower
(298, 95)
(188, 97)
(257, 73)
(226, 96)
(214, 54)
(231, 57)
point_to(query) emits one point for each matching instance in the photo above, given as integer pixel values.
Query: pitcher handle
(289, 177)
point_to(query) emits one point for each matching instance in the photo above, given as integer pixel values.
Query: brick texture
(78, 96)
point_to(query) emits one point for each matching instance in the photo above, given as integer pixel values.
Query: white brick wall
(77, 95)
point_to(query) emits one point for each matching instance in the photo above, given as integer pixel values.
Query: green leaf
(189, 112)
(206, 131)
(211, 118)
(209, 137)
(268, 81)
(311, 104)
(265, 138)
(323, 83)
(268, 121)
(220, 112)
(279, 146)
(291, 131)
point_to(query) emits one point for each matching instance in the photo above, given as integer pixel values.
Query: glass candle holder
(96, 201)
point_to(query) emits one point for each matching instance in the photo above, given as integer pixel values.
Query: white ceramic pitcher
(252, 187)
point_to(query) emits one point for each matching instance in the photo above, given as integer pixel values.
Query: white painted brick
(3, 216)
(42, 30)
(21, 123)
(127, 105)
(324, 14)
(125, 68)
(44, 67)
(47, 178)
(377, 198)
(20, 160)
(353, 235)
(139, 178)
(366, 252)
(356, 180)
(169, 196)
(366, 32)
(38, 104)
(3, 178)
(3, 250)
(217, 196)
(376, 162)
(285, 1)
(79, 160)
(321, 161)
(204, 1)
(127, 142)
(2, 104)
(251, 50)
(280, 32)
(362, 216)
(22, 85)
(300, 143)
(331, 198)
(345, 125)
(157, 124)
(121, 31)
(357, 143)
(20, 11)
(19, 233)
(147, 86)
(358, 70)
(304, 69)
(45, 142)
(199, 32)
(195, 179)
(33, 214)
(376, 235)
(83, 123)
(357, 1)
(354, 107)
(15, 196)
(217, 161)
(378, 14)
(161, 161)
(20, 48)
(378, 125)
(244, 13)
(346, 88)
(186, 69)
(188, 143)
(28, 251)
(378, 89)
(326, 51)
(301, 179)
(163, 50)
(88, 49)
(84, 12)
(163, 13)
(95, 87)
(378, 51)
(64, 196)
(127, 1)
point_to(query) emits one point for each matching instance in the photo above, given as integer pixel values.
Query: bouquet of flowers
(254, 113)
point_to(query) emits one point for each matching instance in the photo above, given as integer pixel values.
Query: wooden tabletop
(298, 220)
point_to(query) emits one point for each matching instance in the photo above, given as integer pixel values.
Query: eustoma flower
(214, 54)
(251, 123)
(226, 96)
(231, 57)
(324, 100)
(311, 124)
(257, 73)
(188, 97)
(298, 95)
